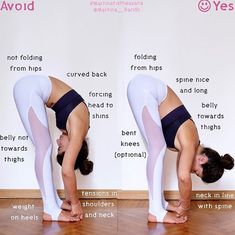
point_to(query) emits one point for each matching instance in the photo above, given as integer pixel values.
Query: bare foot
(170, 218)
(171, 207)
(66, 206)
(63, 216)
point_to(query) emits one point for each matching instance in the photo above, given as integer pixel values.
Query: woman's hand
(77, 210)
(182, 209)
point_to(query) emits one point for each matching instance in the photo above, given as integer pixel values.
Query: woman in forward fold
(164, 123)
(32, 94)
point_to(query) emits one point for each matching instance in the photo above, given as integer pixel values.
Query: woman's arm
(76, 136)
(187, 139)
(185, 162)
(68, 172)
(184, 175)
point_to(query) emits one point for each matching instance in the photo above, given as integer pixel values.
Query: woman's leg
(145, 94)
(30, 94)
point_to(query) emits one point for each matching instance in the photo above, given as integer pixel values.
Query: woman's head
(82, 163)
(63, 142)
(213, 169)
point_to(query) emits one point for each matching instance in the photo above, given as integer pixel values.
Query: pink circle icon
(204, 5)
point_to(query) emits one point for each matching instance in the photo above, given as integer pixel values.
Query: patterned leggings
(145, 93)
(30, 94)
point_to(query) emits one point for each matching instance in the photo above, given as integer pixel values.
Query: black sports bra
(171, 123)
(64, 106)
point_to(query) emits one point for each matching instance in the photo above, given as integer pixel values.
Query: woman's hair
(214, 168)
(82, 163)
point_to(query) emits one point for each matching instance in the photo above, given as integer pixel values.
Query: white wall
(72, 37)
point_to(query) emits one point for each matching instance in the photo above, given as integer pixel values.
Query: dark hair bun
(86, 167)
(227, 162)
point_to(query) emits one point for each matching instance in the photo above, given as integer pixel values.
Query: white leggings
(145, 93)
(30, 94)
